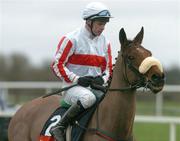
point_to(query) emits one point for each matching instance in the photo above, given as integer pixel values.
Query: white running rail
(172, 121)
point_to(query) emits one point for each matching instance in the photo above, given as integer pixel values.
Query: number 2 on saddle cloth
(81, 121)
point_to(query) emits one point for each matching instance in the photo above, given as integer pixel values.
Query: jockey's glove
(98, 80)
(85, 81)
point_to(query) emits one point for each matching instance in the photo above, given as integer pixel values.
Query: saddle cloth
(77, 132)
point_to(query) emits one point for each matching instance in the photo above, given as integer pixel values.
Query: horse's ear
(122, 36)
(139, 37)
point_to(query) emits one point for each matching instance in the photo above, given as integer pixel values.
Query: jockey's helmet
(96, 11)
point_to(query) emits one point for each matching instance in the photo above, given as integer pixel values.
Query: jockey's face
(98, 27)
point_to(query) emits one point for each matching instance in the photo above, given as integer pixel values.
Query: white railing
(56, 84)
(172, 121)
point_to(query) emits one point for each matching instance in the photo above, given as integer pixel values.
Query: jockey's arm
(64, 50)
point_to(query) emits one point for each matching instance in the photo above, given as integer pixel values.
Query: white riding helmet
(96, 10)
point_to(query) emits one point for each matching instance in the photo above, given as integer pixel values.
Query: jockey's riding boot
(59, 130)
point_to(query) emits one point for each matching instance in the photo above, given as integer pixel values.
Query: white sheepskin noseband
(148, 62)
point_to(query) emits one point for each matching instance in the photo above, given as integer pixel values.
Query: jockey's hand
(85, 81)
(98, 80)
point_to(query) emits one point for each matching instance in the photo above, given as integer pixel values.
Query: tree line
(17, 67)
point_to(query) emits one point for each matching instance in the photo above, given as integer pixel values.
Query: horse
(113, 120)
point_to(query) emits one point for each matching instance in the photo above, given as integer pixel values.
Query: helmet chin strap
(90, 25)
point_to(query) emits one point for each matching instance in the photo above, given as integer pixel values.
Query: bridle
(141, 82)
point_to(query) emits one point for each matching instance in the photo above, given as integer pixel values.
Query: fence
(172, 121)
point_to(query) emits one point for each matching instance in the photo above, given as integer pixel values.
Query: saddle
(78, 128)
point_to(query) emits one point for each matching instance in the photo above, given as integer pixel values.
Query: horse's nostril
(155, 78)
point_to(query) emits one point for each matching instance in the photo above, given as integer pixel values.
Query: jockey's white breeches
(84, 95)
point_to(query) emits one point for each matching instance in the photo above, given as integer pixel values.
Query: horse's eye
(131, 57)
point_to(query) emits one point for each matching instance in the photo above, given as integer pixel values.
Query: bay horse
(135, 67)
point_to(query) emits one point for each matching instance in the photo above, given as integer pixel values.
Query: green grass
(178, 132)
(154, 132)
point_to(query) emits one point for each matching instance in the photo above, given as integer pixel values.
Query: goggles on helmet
(102, 14)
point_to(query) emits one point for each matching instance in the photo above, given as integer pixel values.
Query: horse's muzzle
(156, 83)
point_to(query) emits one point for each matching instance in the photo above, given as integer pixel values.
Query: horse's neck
(117, 110)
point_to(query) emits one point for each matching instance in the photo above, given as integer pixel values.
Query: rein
(134, 86)
(131, 87)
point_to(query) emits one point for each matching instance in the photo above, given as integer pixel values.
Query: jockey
(83, 56)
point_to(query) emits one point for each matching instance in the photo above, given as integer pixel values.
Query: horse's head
(140, 67)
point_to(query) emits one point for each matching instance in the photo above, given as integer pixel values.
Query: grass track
(154, 132)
